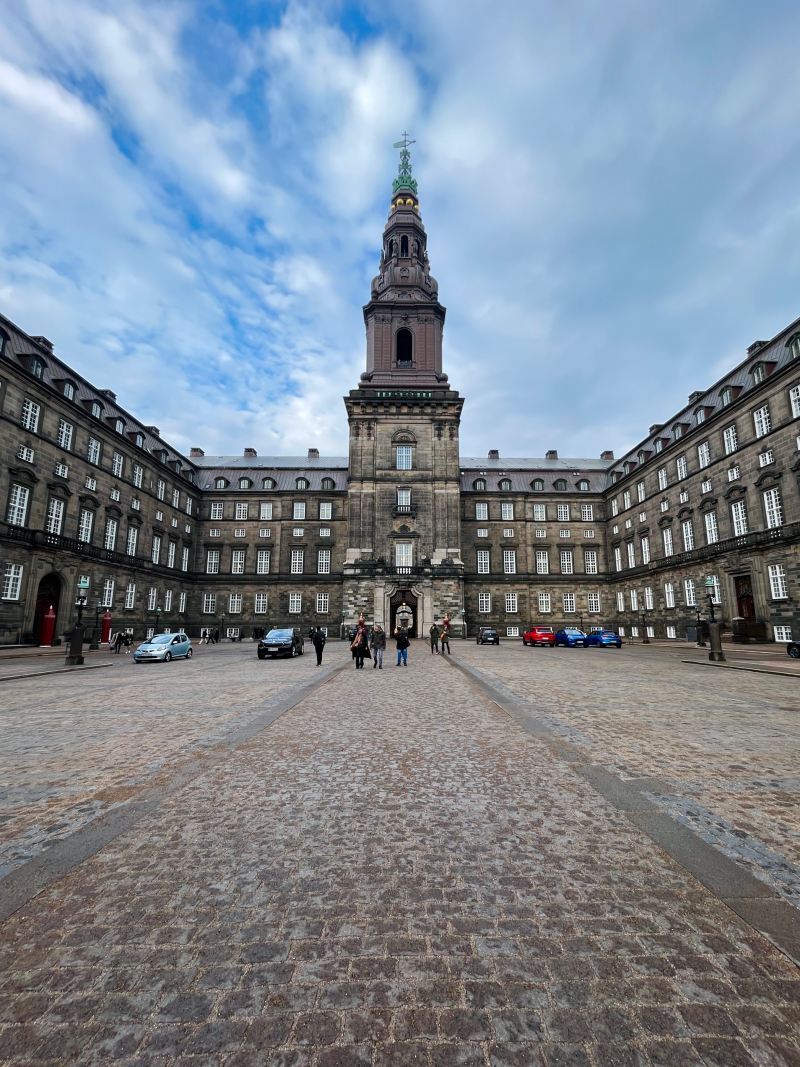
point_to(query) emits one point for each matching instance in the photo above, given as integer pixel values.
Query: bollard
(715, 642)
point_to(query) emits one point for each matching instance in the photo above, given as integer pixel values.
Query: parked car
(164, 647)
(284, 641)
(604, 639)
(793, 649)
(539, 635)
(487, 635)
(571, 637)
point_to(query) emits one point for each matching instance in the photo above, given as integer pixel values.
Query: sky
(192, 197)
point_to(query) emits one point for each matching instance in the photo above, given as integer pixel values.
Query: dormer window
(726, 396)
(583, 487)
(479, 485)
(119, 425)
(69, 390)
(268, 483)
(658, 444)
(37, 368)
(139, 440)
(560, 484)
(97, 409)
(700, 415)
(677, 431)
(328, 483)
(537, 485)
(245, 483)
(505, 484)
(220, 483)
(759, 372)
(301, 483)
(794, 346)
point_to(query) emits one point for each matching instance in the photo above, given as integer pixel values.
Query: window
(544, 603)
(734, 473)
(539, 512)
(167, 600)
(220, 483)
(155, 554)
(323, 603)
(739, 518)
(762, 420)
(299, 509)
(634, 599)
(620, 601)
(189, 505)
(176, 498)
(590, 560)
(794, 397)
(564, 533)
(569, 603)
(242, 510)
(658, 444)
(262, 561)
(512, 631)
(716, 591)
(688, 592)
(614, 507)
(566, 561)
(680, 467)
(648, 598)
(25, 453)
(669, 595)
(182, 602)
(265, 533)
(483, 560)
(705, 486)
(778, 588)
(479, 485)
(765, 458)
(509, 561)
(644, 543)
(403, 457)
(12, 581)
(662, 478)
(295, 603)
(703, 454)
(671, 632)
(161, 489)
(560, 484)
(61, 470)
(55, 516)
(537, 485)
(245, 483)
(626, 499)
(664, 505)
(511, 603)
(508, 531)
(325, 511)
(773, 508)
(264, 511)
(237, 561)
(587, 513)
(539, 532)
(593, 601)
(687, 531)
(712, 527)
(137, 476)
(260, 607)
(240, 532)
(562, 512)
(542, 561)
(782, 633)
(324, 561)
(184, 559)
(85, 525)
(107, 596)
(505, 484)
(69, 390)
(296, 565)
(325, 531)
(209, 603)
(666, 536)
(216, 511)
(93, 450)
(171, 550)
(403, 500)
(484, 603)
(110, 535)
(403, 556)
(583, 486)
(631, 553)
(235, 603)
(29, 417)
(214, 531)
(130, 595)
(212, 561)
(131, 540)
(617, 558)
(507, 511)
(482, 512)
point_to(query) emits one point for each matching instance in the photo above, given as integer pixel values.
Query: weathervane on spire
(404, 179)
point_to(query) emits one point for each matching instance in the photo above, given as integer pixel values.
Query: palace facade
(707, 505)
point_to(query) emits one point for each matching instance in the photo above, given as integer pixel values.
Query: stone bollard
(715, 642)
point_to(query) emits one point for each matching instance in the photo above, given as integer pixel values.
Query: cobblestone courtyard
(477, 862)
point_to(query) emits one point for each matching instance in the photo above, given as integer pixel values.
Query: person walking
(445, 641)
(378, 645)
(402, 641)
(434, 632)
(118, 639)
(128, 644)
(360, 647)
(318, 641)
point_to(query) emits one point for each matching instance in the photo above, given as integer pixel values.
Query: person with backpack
(402, 642)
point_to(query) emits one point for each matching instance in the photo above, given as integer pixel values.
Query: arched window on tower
(392, 249)
(404, 346)
(415, 249)
(404, 245)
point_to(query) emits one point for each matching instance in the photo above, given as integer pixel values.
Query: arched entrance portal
(397, 600)
(47, 597)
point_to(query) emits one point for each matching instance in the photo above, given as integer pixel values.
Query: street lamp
(714, 628)
(710, 590)
(700, 642)
(75, 648)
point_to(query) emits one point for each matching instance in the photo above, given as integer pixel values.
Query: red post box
(105, 631)
(48, 627)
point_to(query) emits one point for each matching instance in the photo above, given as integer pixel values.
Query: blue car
(163, 647)
(604, 639)
(571, 637)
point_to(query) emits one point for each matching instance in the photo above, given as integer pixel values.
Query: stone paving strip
(394, 872)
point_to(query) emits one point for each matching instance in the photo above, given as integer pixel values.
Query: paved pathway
(394, 872)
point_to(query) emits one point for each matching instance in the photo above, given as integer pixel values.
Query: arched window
(583, 485)
(3, 340)
(392, 249)
(268, 483)
(505, 484)
(415, 249)
(404, 245)
(537, 485)
(328, 483)
(794, 346)
(560, 484)
(404, 347)
(301, 483)
(220, 483)
(479, 485)
(245, 483)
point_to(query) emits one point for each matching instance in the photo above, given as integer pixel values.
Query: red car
(539, 635)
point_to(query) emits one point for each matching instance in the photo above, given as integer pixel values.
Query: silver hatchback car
(164, 647)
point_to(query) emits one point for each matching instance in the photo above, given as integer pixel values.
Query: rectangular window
(664, 505)
(176, 498)
(512, 631)
(765, 458)
(626, 499)
(55, 516)
(705, 486)
(540, 532)
(91, 483)
(588, 533)
(562, 512)
(325, 511)
(212, 561)
(662, 478)
(216, 510)
(107, 596)
(593, 601)
(64, 437)
(260, 604)
(773, 508)
(634, 598)
(620, 601)
(323, 603)
(544, 603)
(131, 540)
(680, 467)
(508, 531)
(237, 561)
(404, 457)
(209, 603)
(299, 509)
(716, 589)
(167, 600)
(782, 633)
(509, 561)
(295, 603)
(734, 473)
(669, 595)
(566, 561)
(794, 400)
(688, 592)
(85, 525)
(671, 632)
(61, 470)
(511, 602)
(482, 512)
(617, 558)
(93, 450)
(137, 476)
(182, 602)
(189, 505)
(565, 533)
(184, 559)
(161, 488)
(631, 553)
(12, 581)
(403, 500)
(590, 560)
(324, 561)
(483, 561)
(648, 598)
(687, 531)
(762, 420)
(542, 561)
(152, 598)
(242, 510)
(29, 417)
(614, 507)
(712, 527)
(739, 518)
(539, 513)
(569, 603)
(640, 491)
(110, 536)
(235, 603)
(262, 561)
(703, 454)
(171, 550)
(666, 536)
(587, 512)
(777, 582)
(296, 566)
(117, 464)
(507, 511)
(730, 439)
(644, 543)
(130, 595)
(325, 531)
(155, 554)
(484, 603)
(403, 556)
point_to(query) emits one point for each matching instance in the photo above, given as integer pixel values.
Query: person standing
(318, 641)
(378, 645)
(360, 647)
(434, 632)
(445, 640)
(118, 639)
(401, 639)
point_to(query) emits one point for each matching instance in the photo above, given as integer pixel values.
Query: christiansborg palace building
(91, 495)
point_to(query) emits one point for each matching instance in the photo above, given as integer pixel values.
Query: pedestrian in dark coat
(402, 642)
(360, 647)
(119, 637)
(434, 632)
(378, 645)
(445, 640)
(318, 641)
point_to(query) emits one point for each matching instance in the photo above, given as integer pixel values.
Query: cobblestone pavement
(392, 873)
(724, 743)
(76, 745)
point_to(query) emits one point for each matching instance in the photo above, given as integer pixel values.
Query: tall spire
(404, 179)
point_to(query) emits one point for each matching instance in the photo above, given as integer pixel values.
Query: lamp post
(714, 628)
(93, 643)
(221, 625)
(75, 648)
(156, 612)
(700, 642)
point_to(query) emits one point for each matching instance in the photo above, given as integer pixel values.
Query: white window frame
(296, 561)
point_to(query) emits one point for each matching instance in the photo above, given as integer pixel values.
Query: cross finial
(405, 142)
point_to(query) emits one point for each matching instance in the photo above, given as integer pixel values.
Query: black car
(487, 635)
(793, 649)
(285, 641)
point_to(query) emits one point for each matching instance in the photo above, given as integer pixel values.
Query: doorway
(399, 598)
(47, 597)
(745, 603)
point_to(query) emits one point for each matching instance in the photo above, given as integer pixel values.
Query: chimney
(695, 395)
(655, 427)
(751, 349)
(313, 453)
(154, 430)
(196, 453)
(551, 453)
(494, 453)
(44, 342)
(250, 453)
(608, 456)
(109, 393)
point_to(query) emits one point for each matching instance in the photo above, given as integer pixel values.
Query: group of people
(209, 636)
(440, 635)
(371, 644)
(120, 640)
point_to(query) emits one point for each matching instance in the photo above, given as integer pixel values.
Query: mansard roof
(260, 464)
